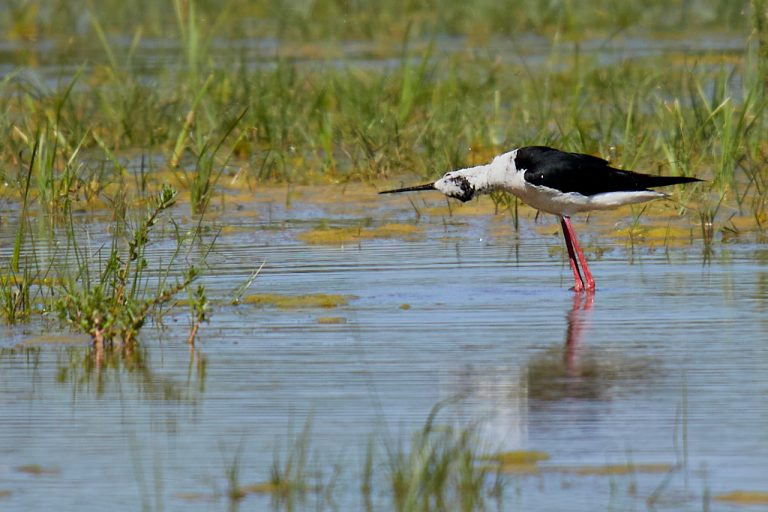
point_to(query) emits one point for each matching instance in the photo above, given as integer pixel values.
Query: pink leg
(577, 325)
(590, 283)
(578, 284)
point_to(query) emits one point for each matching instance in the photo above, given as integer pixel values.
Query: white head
(462, 184)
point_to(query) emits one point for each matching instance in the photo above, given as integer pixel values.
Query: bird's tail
(663, 181)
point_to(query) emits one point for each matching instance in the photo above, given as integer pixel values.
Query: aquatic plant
(113, 304)
(439, 470)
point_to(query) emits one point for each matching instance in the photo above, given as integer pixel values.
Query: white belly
(553, 201)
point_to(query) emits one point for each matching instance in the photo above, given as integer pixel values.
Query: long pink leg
(590, 283)
(578, 284)
(577, 325)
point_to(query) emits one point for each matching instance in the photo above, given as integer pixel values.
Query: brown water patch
(744, 497)
(519, 457)
(518, 461)
(613, 469)
(262, 488)
(194, 496)
(405, 307)
(5, 493)
(37, 470)
(230, 229)
(747, 223)
(338, 236)
(331, 320)
(317, 300)
(520, 469)
(277, 488)
(57, 339)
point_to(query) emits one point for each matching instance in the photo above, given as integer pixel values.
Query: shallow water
(667, 365)
(48, 64)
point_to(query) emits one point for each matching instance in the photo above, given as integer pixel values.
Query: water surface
(668, 364)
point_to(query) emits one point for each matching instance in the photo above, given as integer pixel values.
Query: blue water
(667, 365)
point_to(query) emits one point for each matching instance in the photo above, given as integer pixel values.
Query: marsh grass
(339, 121)
(425, 114)
(208, 170)
(439, 470)
(378, 21)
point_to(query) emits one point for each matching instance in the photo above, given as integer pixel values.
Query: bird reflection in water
(577, 326)
(504, 401)
(578, 371)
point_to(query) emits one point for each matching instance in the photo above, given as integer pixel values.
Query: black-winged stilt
(555, 182)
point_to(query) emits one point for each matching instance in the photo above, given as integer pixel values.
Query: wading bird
(555, 182)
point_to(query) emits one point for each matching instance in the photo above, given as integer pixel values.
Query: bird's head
(457, 184)
(461, 184)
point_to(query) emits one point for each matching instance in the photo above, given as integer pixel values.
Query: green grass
(368, 19)
(302, 123)
(439, 470)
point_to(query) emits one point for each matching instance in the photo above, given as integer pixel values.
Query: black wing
(588, 175)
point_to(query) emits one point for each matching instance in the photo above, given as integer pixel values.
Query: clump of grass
(289, 480)
(438, 469)
(16, 297)
(235, 491)
(708, 218)
(113, 304)
(207, 173)
(16, 288)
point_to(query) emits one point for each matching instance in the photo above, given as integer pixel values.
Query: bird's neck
(478, 177)
(494, 176)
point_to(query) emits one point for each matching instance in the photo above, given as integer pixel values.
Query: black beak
(428, 186)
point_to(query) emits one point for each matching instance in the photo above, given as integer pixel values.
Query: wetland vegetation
(137, 132)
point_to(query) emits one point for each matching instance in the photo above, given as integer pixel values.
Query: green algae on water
(339, 236)
(282, 301)
(744, 497)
